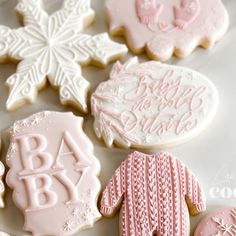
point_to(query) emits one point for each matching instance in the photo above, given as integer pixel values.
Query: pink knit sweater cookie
(155, 192)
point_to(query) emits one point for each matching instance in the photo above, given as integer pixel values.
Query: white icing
(51, 46)
(142, 105)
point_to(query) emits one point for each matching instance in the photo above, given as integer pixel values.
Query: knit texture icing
(155, 192)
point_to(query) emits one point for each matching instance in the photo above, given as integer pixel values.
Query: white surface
(211, 155)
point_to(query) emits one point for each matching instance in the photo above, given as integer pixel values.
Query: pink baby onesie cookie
(149, 105)
(53, 48)
(155, 192)
(218, 223)
(53, 174)
(166, 27)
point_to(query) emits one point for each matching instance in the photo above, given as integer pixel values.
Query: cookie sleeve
(113, 193)
(193, 191)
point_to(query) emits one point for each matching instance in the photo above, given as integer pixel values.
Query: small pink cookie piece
(184, 24)
(155, 192)
(2, 187)
(53, 174)
(219, 223)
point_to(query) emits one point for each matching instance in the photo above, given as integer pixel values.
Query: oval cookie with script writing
(152, 105)
(53, 174)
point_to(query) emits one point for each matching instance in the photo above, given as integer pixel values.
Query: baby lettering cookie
(152, 105)
(53, 47)
(155, 192)
(166, 27)
(53, 174)
(218, 223)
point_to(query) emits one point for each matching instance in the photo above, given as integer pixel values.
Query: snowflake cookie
(53, 174)
(219, 223)
(166, 27)
(52, 47)
(155, 192)
(151, 104)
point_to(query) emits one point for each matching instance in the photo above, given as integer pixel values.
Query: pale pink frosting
(166, 26)
(2, 187)
(219, 223)
(53, 174)
(152, 190)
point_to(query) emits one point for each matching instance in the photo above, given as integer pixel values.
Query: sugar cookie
(154, 191)
(53, 174)
(152, 105)
(2, 187)
(51, 47)
(218, 223)
(166, 27)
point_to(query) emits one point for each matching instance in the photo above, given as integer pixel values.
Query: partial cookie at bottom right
(220, 222)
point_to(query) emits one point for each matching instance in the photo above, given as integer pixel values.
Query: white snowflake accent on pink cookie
(51, 47)
(152, 191)
(152, 105)
(53, 174)
(219, 223)
(167, 27)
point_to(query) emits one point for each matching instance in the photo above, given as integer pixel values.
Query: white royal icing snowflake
(224, 227)
(50, 47)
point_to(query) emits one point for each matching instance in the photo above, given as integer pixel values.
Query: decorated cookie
(219, 223)
(51, 47)
(152, 105)
(155, 192)
(2, 188)
(53, 174)
(166, 27)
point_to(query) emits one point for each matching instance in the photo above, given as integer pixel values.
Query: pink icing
(183, 24)
(53, 174)
(186, 13)
(152, 190)
(148, 10)
(219, 223)
(166, 103)
(2, 187)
